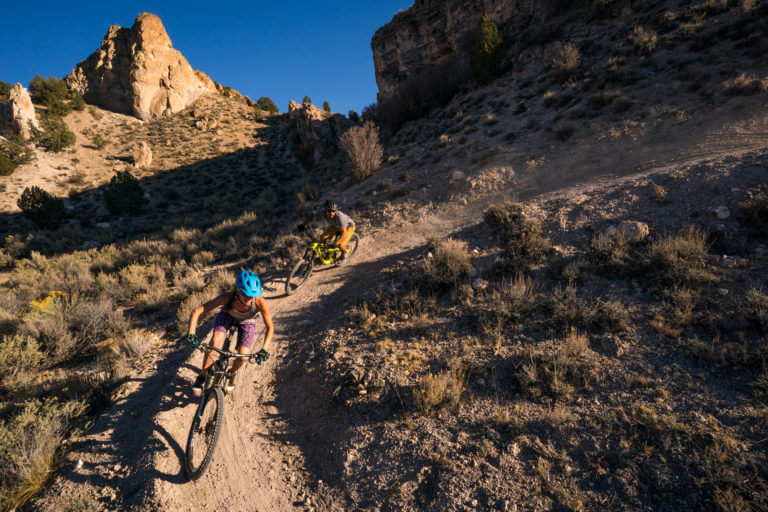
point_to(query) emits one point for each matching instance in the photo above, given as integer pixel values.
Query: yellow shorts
(333, 230)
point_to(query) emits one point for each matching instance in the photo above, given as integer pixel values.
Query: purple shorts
(245, 330)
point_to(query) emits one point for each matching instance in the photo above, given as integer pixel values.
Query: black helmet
(331, 205)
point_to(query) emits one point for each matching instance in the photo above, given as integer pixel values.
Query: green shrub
(505, 219)
(99, 142)
(486, 55)
(123, 194)
(353, 116)
(52, 93)
(77, 103)
(43, 209)
(15, 148)
(6, 166)
(5, 91)
(266, 103)
(307, 100)
(18, 353)
(610, 254)
(326, 106)
(54, 136)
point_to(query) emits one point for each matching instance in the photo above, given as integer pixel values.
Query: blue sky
(283, 50)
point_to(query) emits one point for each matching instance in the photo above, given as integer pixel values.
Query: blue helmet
(249, 284)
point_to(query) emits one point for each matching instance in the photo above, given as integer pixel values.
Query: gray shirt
(340, 220)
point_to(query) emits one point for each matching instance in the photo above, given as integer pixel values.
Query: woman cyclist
(239, 308)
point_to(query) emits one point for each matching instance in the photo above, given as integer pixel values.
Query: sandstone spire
(138, 71)
(18, 115)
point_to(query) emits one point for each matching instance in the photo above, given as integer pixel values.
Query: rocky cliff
(18, 115)
(425, 49)
(137, 71)
(316, 131)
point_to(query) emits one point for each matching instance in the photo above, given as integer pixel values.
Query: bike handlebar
(203, 348)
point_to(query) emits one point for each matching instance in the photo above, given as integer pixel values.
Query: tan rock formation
(142, 155)
(18, 115)
(317, 131)
(137, 71)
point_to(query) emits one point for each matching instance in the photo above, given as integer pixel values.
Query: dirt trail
(132, 455)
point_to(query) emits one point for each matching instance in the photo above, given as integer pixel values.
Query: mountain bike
(318, 253)
(209, 417)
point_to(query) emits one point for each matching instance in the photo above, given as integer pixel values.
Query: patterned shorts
(245, 330)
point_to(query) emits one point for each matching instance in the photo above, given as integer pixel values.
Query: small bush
(52, 93)
(54, 136)
(680, 260)
(5, 92)
(15, 149)
(326, 106)
(43, 209)
(610, 254)
(439, 391)
(566, 61)
(757, 308)
(448, 265)
(485, 57)
(505, 219)
(6, 166)
(644, 40)
(18, 353)
(361, 146)
(353, 116)
(124, 195)
(136, 342)
(753, 213)
(266, 103)
(745, 84)
(99, 142)
(77, 102)
(28, 445)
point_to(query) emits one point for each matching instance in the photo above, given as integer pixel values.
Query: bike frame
(326, 255)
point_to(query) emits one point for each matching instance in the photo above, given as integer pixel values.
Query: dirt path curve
(131, 457)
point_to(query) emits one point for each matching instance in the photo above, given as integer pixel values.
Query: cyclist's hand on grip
(261, 356)
(193, 340)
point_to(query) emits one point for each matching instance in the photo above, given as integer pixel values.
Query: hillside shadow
(194, 195)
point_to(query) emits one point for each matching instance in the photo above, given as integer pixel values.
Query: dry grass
(448, 266)
(566, 61)
(644, 40)
(443, 390)
(680, 259)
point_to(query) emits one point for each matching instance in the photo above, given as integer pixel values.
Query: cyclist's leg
(246, 332)
(344, 239)
(222, 323)
(328, 233)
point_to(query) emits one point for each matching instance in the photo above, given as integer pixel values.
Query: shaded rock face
(316, 131)
(18, 115)
(138, 72)
(431, 41)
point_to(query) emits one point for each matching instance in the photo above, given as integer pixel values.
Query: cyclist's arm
(309, 219)
(267, 317)
(209, 306)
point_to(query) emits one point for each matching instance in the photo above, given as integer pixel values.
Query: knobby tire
(214, 397)
(301, 272)
(353, 242)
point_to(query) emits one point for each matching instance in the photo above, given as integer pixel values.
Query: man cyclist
(339, 224)
(240, 309)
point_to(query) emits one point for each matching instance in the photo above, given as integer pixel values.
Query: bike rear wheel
(352, 244)
(204, 433)
(299, 275)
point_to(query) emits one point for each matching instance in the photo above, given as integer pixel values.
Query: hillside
(500, 341)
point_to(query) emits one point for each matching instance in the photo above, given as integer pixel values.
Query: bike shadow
(119, 451)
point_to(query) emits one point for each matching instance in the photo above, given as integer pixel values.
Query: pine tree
(487, 53)
(326, 106)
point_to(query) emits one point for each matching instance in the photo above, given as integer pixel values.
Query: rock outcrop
(18, 115)
(426, 47)
(137, 71)
(317, 132)
(142, 155)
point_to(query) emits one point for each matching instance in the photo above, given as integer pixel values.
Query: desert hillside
(558, 303)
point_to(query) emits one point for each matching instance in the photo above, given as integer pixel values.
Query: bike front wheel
(354, 241)
(299, 275)
(206, 427)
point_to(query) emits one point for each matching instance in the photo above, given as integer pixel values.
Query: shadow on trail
(132, 438)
